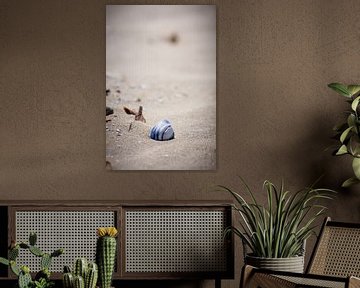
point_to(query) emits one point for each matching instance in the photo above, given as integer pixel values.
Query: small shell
(162, 131)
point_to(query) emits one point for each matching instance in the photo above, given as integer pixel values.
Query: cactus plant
(79, 282)
(24, 280)
(45, 261)
(32, 238)
(43, 274)
(68, 280)
(36, 251)
(42, 278)
(84, 274)
(91, 276)
(105, 254)
(80, 268)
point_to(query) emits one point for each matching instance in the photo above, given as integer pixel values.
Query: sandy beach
(162, 58)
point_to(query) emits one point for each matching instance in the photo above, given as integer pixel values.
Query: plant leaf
(353, 89)
(340, 88)
(351, 120)
(349, 182)
(354, 144)
(279, 228)
(355, 103)
(342, 150)
(356, 167)
(345, 134)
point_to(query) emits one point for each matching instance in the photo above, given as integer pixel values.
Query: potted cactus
(42, 278)
(85, 275)
(106, 254)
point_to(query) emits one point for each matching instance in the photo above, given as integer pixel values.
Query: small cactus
(45, 261)
(79, 282)
(13, 253)
(42, 278)
(91, 276)
(14, 268)
(24, 277)
(57, 252)
(32, 238)
(36, 251)
(81, 266)
(24, 245)
(106, 254)
(68, 280)
(88, 273)
(44, 273)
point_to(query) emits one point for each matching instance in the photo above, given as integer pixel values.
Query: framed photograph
(161, 87)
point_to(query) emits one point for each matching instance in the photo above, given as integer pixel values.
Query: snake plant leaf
(340, 88)
(356, 167)
(345, 134)
(277, 229)
(342, 150)
(349, 182)
(353, 89)
(355, 103)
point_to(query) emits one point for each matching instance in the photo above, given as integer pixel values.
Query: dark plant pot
(291, 264)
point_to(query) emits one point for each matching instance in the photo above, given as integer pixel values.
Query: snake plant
(279, 228)
(348, 132)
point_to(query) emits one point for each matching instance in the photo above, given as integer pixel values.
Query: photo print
(161, 87)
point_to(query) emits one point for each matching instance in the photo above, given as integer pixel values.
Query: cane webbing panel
(338, 252)
(75, 231)
(313, 282)
(267, 280)
(174, 241)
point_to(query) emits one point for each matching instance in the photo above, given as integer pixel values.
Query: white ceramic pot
(291, 264)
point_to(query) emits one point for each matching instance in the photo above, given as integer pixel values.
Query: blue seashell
(162, 131)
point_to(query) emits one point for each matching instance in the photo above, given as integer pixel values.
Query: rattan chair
(334, 263)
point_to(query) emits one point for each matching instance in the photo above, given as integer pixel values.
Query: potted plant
(275, 233)
(348, 132)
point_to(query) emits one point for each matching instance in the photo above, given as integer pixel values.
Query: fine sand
(162, 58)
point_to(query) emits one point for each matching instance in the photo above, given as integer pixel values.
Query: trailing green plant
(106, 254)
(348, 133)
(42, 278)
(85, 275)
(279, 229)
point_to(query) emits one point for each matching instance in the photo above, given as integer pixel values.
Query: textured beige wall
(275, 112)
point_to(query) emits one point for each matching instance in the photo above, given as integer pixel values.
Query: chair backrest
(337, 251)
